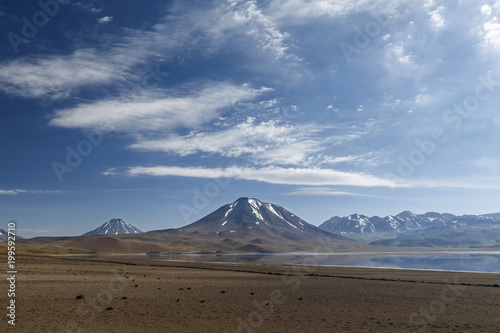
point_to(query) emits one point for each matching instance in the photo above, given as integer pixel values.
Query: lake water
(451, 261)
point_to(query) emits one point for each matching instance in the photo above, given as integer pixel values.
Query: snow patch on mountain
(115, 226)
(406, 221)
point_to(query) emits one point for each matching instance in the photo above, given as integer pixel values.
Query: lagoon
(464, 261)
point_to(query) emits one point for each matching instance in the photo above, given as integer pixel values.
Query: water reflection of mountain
(473, 262)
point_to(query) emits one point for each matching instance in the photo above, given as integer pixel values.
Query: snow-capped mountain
(406, 221)
(3, 235)
(115, 227)
(250, 220)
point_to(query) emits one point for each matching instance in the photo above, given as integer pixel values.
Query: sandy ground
(158, 296)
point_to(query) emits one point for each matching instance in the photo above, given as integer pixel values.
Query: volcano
(249, 223)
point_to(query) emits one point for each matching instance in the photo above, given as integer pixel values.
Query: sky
(160, 112)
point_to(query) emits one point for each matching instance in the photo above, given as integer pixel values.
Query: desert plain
(68, 294)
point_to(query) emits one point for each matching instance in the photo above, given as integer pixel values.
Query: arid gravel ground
(156, 296)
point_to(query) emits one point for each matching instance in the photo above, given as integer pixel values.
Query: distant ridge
(246, 225)
(115, 226)
(406, 221)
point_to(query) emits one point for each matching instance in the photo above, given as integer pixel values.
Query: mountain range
(357, 224)
(245, 226)
(249, 225)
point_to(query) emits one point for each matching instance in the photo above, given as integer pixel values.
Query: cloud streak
(154, 112)
(325, 191)
(272, 175)
(19, 191)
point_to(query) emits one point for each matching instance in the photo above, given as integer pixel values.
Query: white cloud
(341, 159)
(155, 112)
(491, 36)
(18, 191)
(269, 104)
(324, 191)
(436, 17)
(272, 175)
(105, 19)
(486, 10)
(110, 172)
(312, 177)
(10, 192)
(487, 163)
(301, 9)
(177, 35)
(56, 76)
(267, 142)
(256, 24)
(397, 52)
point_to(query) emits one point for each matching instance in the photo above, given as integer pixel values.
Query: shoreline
(299, 256)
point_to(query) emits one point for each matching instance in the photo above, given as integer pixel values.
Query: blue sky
(161, 112)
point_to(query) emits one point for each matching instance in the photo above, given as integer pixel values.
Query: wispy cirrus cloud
(19, 191)
(56, 77)
(272, 175)
(185, 32)
(267, 142)
(266, 33)
(154, 111)
(302, 9)
(325, 191)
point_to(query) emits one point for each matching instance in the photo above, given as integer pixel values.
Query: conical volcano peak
(115, 226)
(250, 219)
(247, 200)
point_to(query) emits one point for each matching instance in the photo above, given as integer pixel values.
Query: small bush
(124, 297)
(109, 308)
(81, 296)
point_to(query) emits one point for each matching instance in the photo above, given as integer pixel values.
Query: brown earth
(125, 295)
